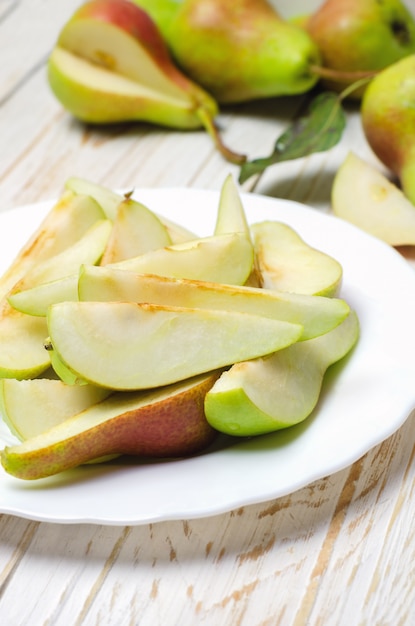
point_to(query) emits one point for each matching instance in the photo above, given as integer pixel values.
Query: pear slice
(231, 217)
(106, 198)
(376, 205)
(22, 337)
(88, 249)
(265, 395)
(168, 422)
(31, 407)
(287, 263)
(316, 314)
(68, 219)
(219, 258)
(123, 345)
(136, 230)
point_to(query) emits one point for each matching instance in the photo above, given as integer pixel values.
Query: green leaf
(317, 131)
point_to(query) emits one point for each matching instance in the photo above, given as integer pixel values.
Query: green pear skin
(278, 391)
(163, 423)
(358, 35)
(241, 50)
(388, 120)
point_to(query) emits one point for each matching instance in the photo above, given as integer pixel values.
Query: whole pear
(388, 120)
(241, 50)
(361, 35)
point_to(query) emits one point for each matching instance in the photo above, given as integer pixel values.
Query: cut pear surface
(136, 230)
(31, 407)
(124, 345)
(105, 197)
(231, 217)
(278, 391)
(287, 263)
(22, 353)
(316, 314)
(88, 249)
(68, 219)
(376, 205)
(169, 422)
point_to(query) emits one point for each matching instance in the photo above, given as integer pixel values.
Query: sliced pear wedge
(287, 263)
(168, 422)
(316, 314)
(376, 205)
(105, 197)
(31, 407)
(124, 345)
(280, 390)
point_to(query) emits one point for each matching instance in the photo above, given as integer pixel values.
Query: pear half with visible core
(287, 263)
(111, 64)
(376, 205)
(316, 314)
(126, 346)
(280, 390)
(168, 422)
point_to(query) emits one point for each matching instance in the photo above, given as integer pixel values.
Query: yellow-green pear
(240, 50)
(288, 263)
(168, 422)
(388, 120)
(316, 314)
(358, 36)
(111, 64)
(278, 391)
(128, 345)
(376, 205)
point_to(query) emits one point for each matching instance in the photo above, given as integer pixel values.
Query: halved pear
(274, 392)
(375, 205)
(136, 230)
(31, 407)
(168, 422)
(287, 263)
(124, 345)
(88, 249)
(68, 219)
(316, 314)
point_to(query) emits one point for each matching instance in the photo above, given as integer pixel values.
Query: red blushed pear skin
(388, 120)
(162, 423)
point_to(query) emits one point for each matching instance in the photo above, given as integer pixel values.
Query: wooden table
(338, 551)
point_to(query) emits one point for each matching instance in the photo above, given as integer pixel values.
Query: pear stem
(341, 76)
(210, 126)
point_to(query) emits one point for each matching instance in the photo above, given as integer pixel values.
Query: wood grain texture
(340, 551)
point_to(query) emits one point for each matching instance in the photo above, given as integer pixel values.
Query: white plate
(364, 401)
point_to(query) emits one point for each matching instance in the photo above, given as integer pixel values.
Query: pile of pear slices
(124, 333)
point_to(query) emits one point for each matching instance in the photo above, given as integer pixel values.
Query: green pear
(111, 64)
(388, 120)
(377, 205)
(316, 314)
(31, 407)
(161, 11)
(287, 263)
(168, 422)
(124, 345)
(240, 50)
(355, 36)
(278, 391)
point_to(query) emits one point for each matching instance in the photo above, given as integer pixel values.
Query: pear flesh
(163, 423)
(287, 263)
(129, 346)
(31, 407)
(278, 391)
(377, 206)
(316, 314)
